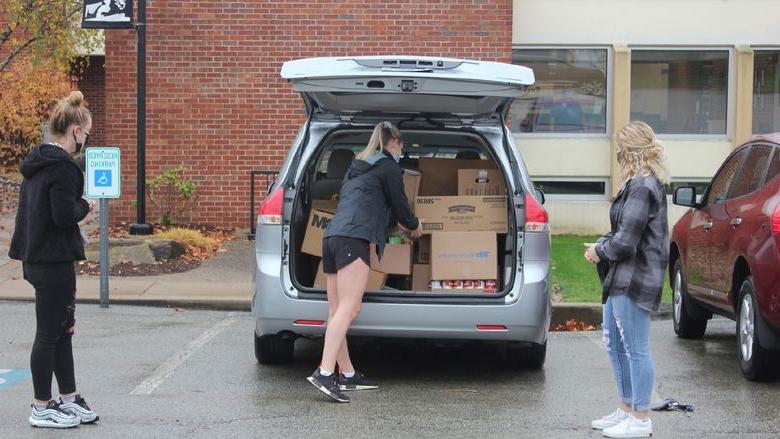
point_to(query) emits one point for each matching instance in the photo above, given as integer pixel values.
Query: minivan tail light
(535, 216)
(271, 208)
(776, 221)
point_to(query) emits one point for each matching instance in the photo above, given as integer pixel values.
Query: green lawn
(576, 278)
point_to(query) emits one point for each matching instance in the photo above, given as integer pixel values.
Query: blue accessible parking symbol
(102, 178)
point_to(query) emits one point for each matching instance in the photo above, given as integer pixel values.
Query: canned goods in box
(479, 285)
(457, 284)
(490, 285)
(468, 284)
(434, 285)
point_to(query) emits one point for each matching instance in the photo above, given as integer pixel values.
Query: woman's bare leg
(343, 360)
(351, 284)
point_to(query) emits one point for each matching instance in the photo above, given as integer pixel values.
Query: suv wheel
(755, 361)
(273, 349)
(521, 356)
(685, 325)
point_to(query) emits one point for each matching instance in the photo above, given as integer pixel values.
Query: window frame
(574, 197)
(759, 48)
(731, 85)
(608, 97)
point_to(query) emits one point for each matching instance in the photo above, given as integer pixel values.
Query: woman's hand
(590, 253)
(412, 234)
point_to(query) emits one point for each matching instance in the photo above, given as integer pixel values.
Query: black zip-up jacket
(50, 207)
(372, 200)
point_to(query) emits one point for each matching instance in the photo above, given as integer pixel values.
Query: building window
(573, 189)
(680, 91)
(766, 91)
(569, 95)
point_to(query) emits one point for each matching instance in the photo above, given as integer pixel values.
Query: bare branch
(15, 52)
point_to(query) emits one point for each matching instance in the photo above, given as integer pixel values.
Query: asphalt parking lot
(162, 372)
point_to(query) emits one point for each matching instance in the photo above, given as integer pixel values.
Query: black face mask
(80, 146)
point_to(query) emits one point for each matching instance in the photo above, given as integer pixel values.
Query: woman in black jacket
(637, 252)
(372, 200)
(47, 240)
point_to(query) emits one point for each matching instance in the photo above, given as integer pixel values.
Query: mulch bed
(128, 269)
(193, 259)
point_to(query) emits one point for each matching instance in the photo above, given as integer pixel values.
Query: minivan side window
(774, 165)
(749, 177)
(722, 181)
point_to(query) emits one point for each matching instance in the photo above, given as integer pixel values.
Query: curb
(591, 313)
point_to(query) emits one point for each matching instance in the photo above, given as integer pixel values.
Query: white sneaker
(52, 417)
(631, 427)
(610, 420)
(80, 409)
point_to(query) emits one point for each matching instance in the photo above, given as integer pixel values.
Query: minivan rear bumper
(526, 319)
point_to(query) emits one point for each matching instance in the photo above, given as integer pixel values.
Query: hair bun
(75, 98)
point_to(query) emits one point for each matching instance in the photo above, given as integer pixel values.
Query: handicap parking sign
(102, 177)
(103, 167)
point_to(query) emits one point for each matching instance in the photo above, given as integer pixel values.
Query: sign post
(103, 182)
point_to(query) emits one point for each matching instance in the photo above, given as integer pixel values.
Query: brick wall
(91, 82)
(216, 103)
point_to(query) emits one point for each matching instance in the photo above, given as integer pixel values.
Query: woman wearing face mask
(637, 253)
(47, 240)
(372, 200)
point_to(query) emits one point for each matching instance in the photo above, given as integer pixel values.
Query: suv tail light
(271, 208)
(535, 215)
(776, 221)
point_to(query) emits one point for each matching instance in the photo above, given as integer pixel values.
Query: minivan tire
(683, 310)
(520, 356)
(755, 361)
(274, 349)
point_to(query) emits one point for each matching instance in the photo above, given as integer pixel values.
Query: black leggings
(55, 306)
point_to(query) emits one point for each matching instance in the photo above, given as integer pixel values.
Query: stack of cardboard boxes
(462, 205)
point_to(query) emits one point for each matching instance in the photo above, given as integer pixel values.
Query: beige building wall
(620, 26)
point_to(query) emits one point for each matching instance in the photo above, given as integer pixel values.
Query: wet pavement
(159, 372)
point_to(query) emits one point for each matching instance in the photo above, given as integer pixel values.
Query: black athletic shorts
(340, 251)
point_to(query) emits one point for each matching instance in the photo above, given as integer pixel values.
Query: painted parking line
(11, 377)
(167, 368)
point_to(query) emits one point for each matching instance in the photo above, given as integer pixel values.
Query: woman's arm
(67, 206)
(633, 220)
(393, 186)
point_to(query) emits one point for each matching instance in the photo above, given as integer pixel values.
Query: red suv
(725, 255)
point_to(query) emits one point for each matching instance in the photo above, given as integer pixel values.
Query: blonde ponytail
(383, 132)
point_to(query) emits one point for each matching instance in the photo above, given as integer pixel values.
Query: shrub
(172, 194)
(188, 237)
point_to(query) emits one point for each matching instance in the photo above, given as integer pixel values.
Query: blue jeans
(626, 337)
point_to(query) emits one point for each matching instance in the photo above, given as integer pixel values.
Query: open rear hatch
(344, 87)
(478, 218)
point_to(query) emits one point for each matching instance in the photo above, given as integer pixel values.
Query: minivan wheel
(522, 356)
(754, 360)
(274, 349)
(685, 326)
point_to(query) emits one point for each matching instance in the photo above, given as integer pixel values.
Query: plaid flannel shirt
(637, 248)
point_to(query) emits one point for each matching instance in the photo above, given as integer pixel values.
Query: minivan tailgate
(405, 84)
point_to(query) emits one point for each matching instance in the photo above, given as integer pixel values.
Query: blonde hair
(68, 111)
(383, 133)
(640, 153)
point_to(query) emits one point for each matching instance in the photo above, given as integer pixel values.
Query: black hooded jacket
(372, 200)
(50, 207)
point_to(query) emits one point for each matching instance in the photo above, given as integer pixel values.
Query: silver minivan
(446, 108)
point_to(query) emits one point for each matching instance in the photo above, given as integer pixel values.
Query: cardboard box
(315, 229)
(462, 213)
(421, 277)
(464, 255)
(411, 186)
(481, 182)
(325, 205)
(396, 259)
(440, 176)
(376, 280)
(423, 255)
